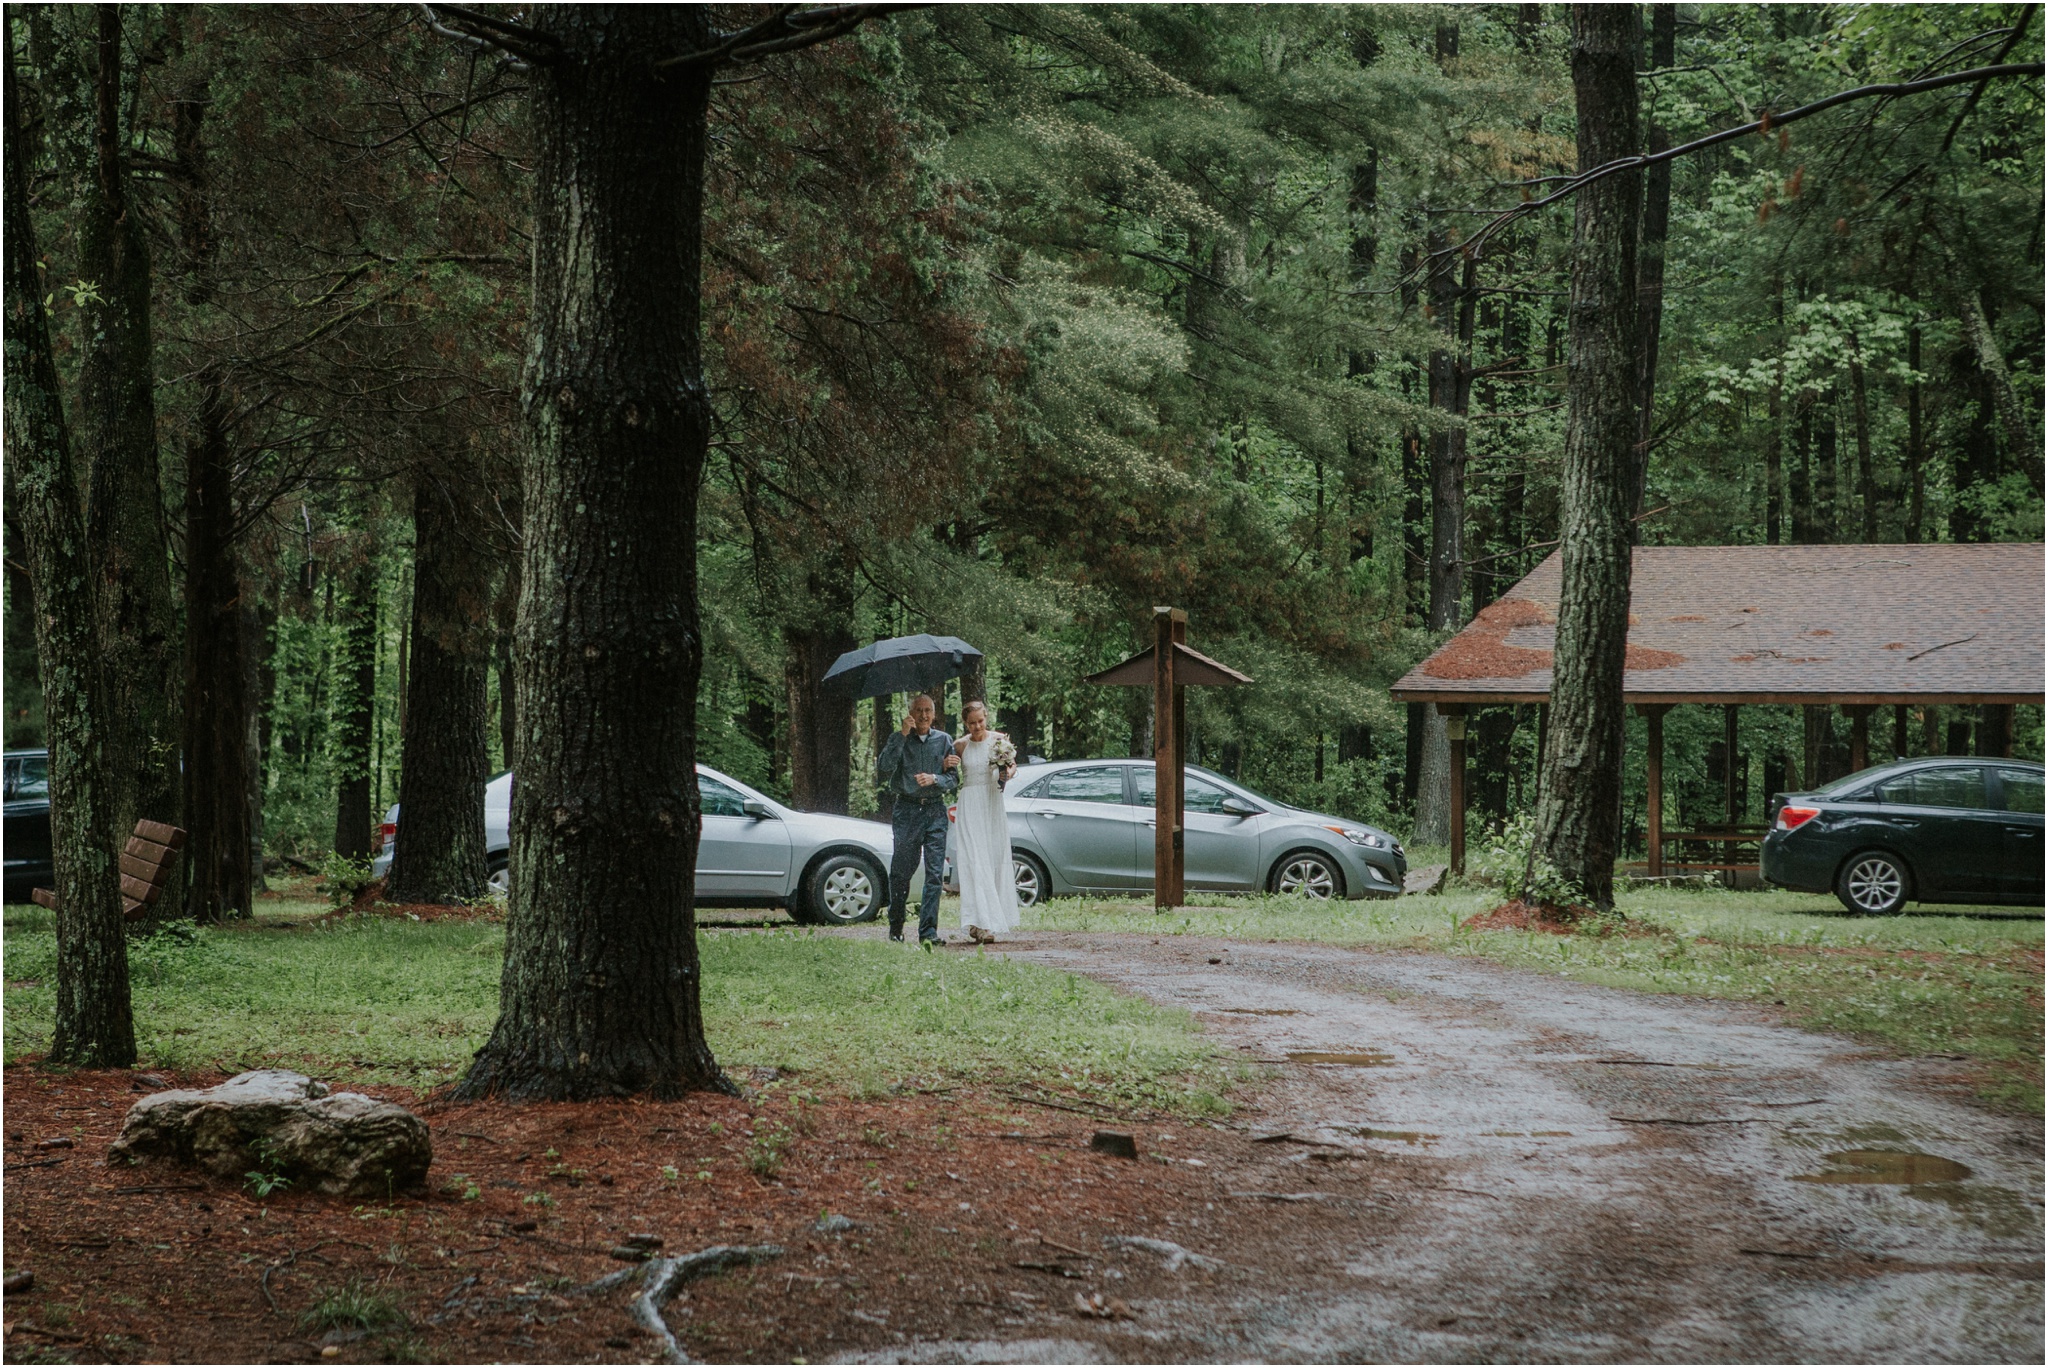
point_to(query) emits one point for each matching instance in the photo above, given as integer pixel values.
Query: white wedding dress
(981, 845)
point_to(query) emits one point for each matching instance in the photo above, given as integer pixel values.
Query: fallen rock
(276, 1121)
(1116, 1143)
(1427, 879)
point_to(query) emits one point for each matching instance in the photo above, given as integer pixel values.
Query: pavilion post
(1454, 731)
(1728, 789)
(1653, 716)
(1859, 735)
(1898, 731)
(1169, 626)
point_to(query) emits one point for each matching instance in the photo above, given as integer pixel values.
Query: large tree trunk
(2012, 412)
(446, 761)
(95, 1024)
(1866, 477)
(601, 981)
(1453, 299)
(124, 518)
(216, 780)
(1579, 816)
(820, 722)
(1650, 267)
(216, 702)
(356, 710)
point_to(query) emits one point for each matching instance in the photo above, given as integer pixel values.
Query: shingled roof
(1778, 624)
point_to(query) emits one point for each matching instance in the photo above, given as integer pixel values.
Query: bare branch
(1475, 245)
(784, 31)
(526, 47)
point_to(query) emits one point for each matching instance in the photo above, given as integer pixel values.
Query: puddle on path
(1887, 1166)
(1258, 1011)
(1364, 1059)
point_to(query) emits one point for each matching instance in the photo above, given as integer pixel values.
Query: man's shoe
(931, 943)
(896, 934)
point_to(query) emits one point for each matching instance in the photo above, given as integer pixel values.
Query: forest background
(1019, 320)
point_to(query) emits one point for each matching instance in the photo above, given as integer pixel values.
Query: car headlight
(1369, 839)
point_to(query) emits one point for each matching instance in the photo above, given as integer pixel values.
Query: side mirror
(1238, 807)
(757, 810)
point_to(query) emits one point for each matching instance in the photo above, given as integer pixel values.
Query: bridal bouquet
(1002, 756)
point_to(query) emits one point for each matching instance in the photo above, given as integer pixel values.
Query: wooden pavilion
(1848, 626)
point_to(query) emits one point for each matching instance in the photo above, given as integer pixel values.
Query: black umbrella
(907, 664)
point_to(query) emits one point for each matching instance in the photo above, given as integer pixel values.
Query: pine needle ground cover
(1964, 982)
(384, 999)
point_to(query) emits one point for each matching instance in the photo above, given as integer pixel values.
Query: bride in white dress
(981, 845)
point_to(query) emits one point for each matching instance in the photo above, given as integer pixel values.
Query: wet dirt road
(1485, 1164)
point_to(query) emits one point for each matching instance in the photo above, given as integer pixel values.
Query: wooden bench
(146, 863)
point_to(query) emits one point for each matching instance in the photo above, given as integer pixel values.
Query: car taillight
(1792, 818)
(386, 834)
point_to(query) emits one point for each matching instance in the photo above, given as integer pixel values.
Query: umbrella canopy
(906, 664)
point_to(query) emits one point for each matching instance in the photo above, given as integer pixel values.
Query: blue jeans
(920, 830)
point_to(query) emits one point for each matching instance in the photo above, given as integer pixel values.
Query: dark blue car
(1946, 829)
(27, 837)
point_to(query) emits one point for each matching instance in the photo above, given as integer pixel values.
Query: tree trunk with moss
(124, 519)
(1579, 816)
(95, 1022)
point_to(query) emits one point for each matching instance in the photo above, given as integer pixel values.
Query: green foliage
(766, 1150)
(268, 1176)
(354, 1305)
(344, 878)
(1511, 861)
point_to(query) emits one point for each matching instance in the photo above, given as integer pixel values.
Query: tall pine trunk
(600, 994)
(216, 780)
(820, 722)
(1650, 267)
(124, 518)
(1579, 816)
(356, 709)
(95, 1023)
(446, 760)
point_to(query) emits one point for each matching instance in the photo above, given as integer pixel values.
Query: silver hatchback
(753, 852)
(1087, 826)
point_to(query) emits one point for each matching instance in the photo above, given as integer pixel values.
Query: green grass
(394, 1001)
(1961, 981)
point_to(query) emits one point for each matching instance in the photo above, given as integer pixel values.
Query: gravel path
(1509, 1166)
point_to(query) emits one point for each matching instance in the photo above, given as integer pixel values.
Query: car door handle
(1047, 815)
(1908, 822)
(2023, 831)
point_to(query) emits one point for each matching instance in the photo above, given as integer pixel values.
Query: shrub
(1511, 862)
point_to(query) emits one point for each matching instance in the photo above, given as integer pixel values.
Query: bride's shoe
(979, 936)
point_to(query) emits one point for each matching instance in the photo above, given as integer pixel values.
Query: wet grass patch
(375, 999)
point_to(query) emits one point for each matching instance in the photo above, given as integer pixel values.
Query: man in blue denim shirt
(917, 766)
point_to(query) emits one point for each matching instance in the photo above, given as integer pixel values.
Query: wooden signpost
(1169, 667)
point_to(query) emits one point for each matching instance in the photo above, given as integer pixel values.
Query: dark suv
(27, 834)
(1944, 829)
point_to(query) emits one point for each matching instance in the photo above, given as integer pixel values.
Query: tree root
(663, 1278)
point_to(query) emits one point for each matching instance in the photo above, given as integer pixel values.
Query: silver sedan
(1087, 826)
(754, 852)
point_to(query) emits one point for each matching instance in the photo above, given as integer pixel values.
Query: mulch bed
(970, 1210)
(1521, 916)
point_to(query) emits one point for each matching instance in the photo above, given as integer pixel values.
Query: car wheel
(500, 881)
(1873, 883)
(842, 890)
(1309, 874)
(1033, 884)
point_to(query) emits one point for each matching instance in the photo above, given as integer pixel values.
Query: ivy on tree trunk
(1579, 816)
